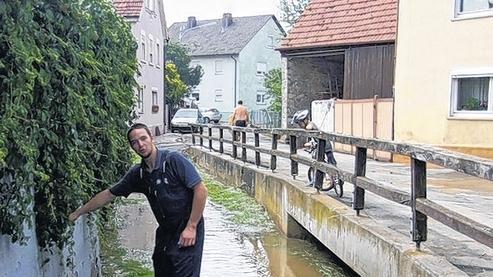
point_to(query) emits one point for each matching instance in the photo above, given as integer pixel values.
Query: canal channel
(240, 240)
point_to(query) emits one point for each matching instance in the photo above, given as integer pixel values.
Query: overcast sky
(180, 10)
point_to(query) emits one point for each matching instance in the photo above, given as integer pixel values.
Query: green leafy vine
(67, 73)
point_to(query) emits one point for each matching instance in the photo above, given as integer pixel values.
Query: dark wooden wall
(369, 71)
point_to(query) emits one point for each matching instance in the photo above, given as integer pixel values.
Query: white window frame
(151, 50)
(263, 95)
(458, 15)
(271, 42)
(140, 100)
(261, 71)
(155, 97)
(143, 46)
(218, 95)
(158, 55)
(474, 73)
(218, 67)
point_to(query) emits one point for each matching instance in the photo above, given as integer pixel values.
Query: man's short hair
(138, 126)
(240, 102)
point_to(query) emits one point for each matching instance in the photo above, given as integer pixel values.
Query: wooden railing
(420, 155)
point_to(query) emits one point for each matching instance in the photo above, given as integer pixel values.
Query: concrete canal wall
(359, 241)
(27, 260)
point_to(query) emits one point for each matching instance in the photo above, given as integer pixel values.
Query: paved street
(469, 196)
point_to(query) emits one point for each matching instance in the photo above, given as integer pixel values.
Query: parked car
(182, 119)
(210, 114)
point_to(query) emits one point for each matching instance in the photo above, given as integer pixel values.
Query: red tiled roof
(128, 8)
(343, 22)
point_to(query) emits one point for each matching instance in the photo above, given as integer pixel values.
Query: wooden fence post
(221, 143)
(201, 139)
(257, 153)
(418, 190)
(235, 149)
(273, 158)
(359, 170)
(243, 148)
(292, 151)
(319, 175)
(210, 138)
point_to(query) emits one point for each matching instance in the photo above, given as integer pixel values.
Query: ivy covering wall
(66, 98)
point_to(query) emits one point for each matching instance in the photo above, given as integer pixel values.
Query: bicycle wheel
(338, 187)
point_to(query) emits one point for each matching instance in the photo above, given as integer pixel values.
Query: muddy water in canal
(230, 249)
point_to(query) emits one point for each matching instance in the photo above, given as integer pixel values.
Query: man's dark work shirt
(168, 188)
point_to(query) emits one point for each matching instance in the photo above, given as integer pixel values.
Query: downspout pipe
(165, 88)
(236, 76)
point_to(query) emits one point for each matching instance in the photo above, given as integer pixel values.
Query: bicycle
(335, 183)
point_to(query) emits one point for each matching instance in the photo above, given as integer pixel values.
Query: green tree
(175, 85)
(66, 98)
(178, 55)
(273, 83)
(291, 10)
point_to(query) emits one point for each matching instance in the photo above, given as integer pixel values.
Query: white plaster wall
(151, 74)
(212, 81)
(27, 260)
(258, 50)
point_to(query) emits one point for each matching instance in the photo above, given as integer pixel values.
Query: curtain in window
(472, 94)
(474, 5)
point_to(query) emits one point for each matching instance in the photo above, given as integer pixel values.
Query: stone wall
(306, 79)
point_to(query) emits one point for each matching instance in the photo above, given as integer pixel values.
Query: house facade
(235, 54)
(148, 25)
(342, 50)
(444, 74)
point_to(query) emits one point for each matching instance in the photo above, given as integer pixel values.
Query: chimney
(191, 22)
(227, 20)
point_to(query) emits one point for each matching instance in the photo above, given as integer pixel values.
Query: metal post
(257, 153)
(319, 175)
(359, 170)
(273, 158)
(243, 148)
(419, 229)
(193, 137)
(292, 151)
(221, 144)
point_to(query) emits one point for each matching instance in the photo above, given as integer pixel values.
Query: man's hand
(73, 216)
(188, 236)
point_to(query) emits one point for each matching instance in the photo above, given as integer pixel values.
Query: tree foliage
(178, 55)
(175, 85)
(273, 84)
(291, 10)
(66, 97)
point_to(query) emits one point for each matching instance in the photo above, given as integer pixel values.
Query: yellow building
(444, 74)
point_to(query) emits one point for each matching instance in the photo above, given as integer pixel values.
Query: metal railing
(420, 155)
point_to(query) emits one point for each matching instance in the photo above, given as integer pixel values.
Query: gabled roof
(326, 23)
(128, 8)
(209, 38)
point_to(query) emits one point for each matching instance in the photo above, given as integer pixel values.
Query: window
(261, 97)
(140, 99)
(218, 95)
(472, 95)
(151, 50)
(218, 65)
(158, 54)
(143, 46)
(196, 95)
(151, 5)
(261, 69)
(155, 105)
(270, 41)
(474, 7)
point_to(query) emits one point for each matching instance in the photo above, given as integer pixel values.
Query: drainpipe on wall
(236, 73)
(165, 110)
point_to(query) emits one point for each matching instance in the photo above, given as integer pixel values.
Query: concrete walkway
(469, 196)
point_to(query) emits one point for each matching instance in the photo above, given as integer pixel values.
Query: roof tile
(128, 8)
(343, 22)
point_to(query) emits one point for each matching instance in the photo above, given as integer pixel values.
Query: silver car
(210, 115)
(182, 119)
